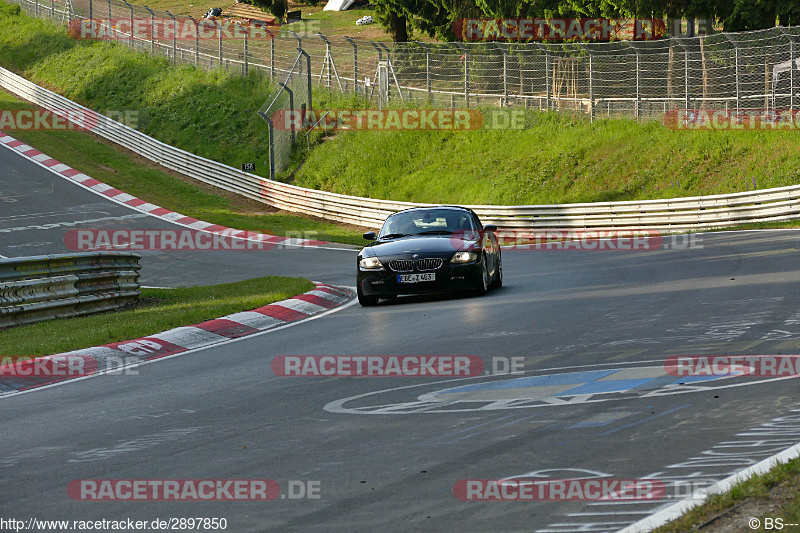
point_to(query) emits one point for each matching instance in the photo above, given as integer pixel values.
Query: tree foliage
(437, 17)
(276, 7)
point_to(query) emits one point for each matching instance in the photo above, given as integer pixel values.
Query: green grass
(175, 307)
(140, 178)
(556, 159)
(757, 489)
(210, 113)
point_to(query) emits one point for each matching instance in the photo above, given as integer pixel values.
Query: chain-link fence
(289, 103)
(636, 79)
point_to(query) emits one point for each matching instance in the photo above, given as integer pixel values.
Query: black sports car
(428, 250)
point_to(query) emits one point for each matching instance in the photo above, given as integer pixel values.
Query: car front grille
(402, 265)
(429, 264)
(407, 265)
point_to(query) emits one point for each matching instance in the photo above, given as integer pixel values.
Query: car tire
(498, 272)
(364, 300)
(483, 283)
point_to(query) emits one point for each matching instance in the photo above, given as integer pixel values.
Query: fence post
(300, 50)
(174, 31)
(591, 84)
(504, 52)
(196, 41)
(686, 66)
(272, 56)
(308, 79)
(466, 77)
(548, 76)
(270, 129)
(328, 61)
(90, 13)
(53, 10)
(355, 63)
(685, 74)
(427, 69)
(466, 71)
(736, 67)
(791, 73)
(221, 56)
(390, 71)
(152, 31)
(638, 110)
(291, 108)
(377, 82)
(130, 8)
(246, 55)
(109, 11)
(791, 66)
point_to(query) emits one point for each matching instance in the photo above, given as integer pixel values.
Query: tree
(276, 7)
(391, 15)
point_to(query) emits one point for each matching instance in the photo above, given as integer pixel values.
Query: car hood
(438, 244)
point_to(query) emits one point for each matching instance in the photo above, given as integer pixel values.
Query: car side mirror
(490, 227)
(370, 236)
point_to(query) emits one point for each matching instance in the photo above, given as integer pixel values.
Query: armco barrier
(699, 212)
(44, 287)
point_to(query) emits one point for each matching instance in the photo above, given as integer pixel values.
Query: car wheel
(498, 273)
(364, 300)
(483, 284)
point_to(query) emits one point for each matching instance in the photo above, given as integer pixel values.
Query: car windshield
(428, 222)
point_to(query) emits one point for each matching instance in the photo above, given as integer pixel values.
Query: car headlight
(464, 257)
(370, 263)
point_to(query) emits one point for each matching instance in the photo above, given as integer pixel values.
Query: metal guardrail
(700, 212)
(33, 289)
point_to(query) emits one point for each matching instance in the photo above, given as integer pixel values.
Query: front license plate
(415, 278)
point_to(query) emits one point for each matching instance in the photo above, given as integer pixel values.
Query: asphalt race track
(385, 453)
